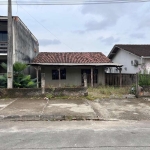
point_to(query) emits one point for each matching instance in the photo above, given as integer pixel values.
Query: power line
(45, 28)
(69, 2)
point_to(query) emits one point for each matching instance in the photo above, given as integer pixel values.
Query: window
(55, 74)
(3, 36)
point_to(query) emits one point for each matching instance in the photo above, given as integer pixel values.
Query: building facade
(134, 58)
(25, 44)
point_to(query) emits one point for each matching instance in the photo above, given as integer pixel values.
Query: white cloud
(46, 42)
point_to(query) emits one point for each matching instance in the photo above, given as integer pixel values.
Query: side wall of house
(73, 76)
(146, 64)
(124, 57)
(26, 47)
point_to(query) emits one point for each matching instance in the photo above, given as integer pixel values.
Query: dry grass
(107, 92)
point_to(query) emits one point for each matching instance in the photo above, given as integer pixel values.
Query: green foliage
(50, 96)
(19, 67)
(3, 81)
(4, 65)
(144, 79)
(19, 79)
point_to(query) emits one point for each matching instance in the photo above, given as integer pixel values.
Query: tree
(20, 80)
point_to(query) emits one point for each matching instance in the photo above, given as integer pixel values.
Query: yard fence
(115, 79)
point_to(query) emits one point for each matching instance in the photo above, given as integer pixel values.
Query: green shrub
(19, 79)
(144, 79)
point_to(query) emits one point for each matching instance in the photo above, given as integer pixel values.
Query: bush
(144, 79)
(19, 79)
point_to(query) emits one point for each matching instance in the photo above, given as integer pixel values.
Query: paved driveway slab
(69, 108)
(112, 109)
(123, 109)
(5, 103)
(24, 107)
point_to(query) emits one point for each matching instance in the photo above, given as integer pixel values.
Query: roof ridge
(132, 44)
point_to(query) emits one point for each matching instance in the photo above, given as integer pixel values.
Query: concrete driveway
(122, 109)
(37, 109)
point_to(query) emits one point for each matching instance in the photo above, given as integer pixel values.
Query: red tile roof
(71, 57)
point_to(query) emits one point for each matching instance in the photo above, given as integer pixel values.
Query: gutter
(80, 64)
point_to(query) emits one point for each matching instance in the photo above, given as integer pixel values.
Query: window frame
(62, 74)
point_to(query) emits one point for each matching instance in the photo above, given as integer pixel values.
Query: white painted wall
(124, 57)
(73, 76)
(146, 64)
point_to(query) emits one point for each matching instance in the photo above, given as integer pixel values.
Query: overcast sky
(86, 28)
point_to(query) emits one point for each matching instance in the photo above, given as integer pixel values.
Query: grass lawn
(107, 92)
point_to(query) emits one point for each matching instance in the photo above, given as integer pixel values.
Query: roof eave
(79, 64)
(112, 53)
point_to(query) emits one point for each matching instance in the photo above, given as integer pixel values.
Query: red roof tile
(71, 57)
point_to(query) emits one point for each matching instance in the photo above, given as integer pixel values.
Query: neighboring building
(134, 58)
(25, 45)
(68, 69)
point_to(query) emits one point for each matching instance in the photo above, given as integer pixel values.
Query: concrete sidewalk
(40, 109)
(50, 110)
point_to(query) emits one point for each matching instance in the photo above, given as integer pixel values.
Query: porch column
(85, 79)
(37, 68)
(59, 77)
(91, 76)
(43, 82)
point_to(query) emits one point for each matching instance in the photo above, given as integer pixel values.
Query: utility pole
(10, 48)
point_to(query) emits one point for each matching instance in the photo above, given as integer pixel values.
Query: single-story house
(134, 58)
(71, 68)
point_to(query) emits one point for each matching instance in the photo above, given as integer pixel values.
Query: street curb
(49, 118)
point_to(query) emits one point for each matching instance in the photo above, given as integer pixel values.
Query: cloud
(110, 14)
(46, 42)
(144, 23)
(109, 40)
(95, 25)
(138, 35)
(79, 31)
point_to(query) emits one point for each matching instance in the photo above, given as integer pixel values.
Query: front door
(88, 73)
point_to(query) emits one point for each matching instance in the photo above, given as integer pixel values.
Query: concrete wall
(101, 76)
(124, 57)
(37, 92)
(26, 46)
(73, 76)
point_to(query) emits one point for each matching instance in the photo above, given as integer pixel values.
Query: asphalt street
(75, 135)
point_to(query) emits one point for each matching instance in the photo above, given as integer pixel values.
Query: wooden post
(37, 77)
(43, 82)
(120, 77)
(59, 77)
(10, 48)
(85, 79)
(91, 76)
(137, 85)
